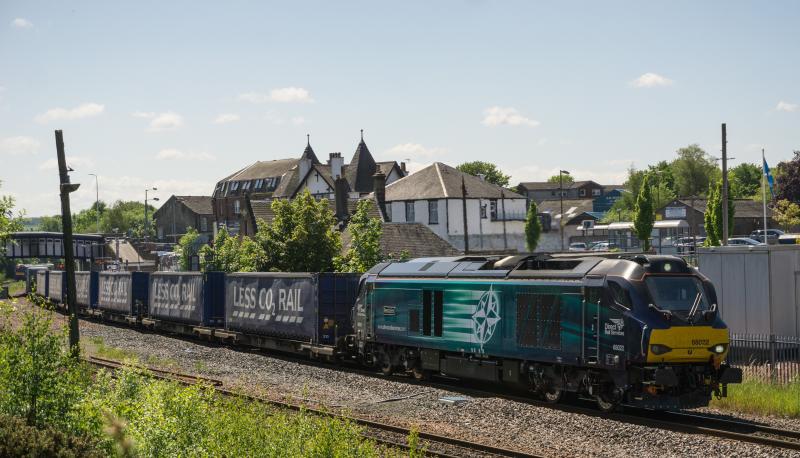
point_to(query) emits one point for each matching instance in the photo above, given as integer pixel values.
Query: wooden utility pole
(464, 208)
(725, 227)
(65, 189)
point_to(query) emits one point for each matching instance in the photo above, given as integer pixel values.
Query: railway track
(382, 433)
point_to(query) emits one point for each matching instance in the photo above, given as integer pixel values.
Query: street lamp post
(145, 209)
(561, 174)
(97, 199)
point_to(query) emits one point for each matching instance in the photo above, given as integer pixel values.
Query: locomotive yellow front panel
(687, 344)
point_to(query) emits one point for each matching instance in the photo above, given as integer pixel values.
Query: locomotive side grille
(539, 321)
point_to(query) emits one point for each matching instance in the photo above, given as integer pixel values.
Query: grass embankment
(757, 397)
(15, 287)
(67, 410)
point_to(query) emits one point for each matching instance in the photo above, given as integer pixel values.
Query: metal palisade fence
(769, 358)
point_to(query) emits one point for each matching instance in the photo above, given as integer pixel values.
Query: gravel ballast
(490, 420)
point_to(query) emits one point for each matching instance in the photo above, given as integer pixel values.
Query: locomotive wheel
(386, 366)
(607, 402)
(552, 394)
(420, 374)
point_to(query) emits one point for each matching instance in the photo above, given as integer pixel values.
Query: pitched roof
(263, 169)
(387, 166)
(201, 205)
(416, 238)
(743, 208)
(262, 209)
(308, 153)
(198, 204)
(361, 169)
(572, 207)
(440, 181)
(548, 186)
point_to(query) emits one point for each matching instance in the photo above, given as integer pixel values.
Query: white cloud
(298, 120)
(285, 94)
(786, 106)
(85, 110)
(19, 145)
(495, 116)
(171, 154)
(165, 121)
(21, 23)
(414, 151)
(651, 80)
(79, 163)
(225, 118)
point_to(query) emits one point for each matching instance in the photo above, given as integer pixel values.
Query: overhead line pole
(725, 227)
(65, 188)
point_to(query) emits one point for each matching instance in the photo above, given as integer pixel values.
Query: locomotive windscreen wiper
(695, 306)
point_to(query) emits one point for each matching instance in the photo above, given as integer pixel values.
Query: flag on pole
(770, 180)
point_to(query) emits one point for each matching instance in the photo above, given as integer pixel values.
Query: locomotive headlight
(659, 349)
(718, 349)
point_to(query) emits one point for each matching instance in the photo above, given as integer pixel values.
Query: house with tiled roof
(471, 214)
(264, 181)
(178, 214)
(538, 191)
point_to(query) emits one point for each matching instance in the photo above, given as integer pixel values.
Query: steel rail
(467, 448)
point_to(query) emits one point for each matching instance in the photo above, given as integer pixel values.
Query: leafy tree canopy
(787, 178)
(644, 214)
(125, 216)
(694, 170)
(745, 181)
(302, 236)
(786, 214)
(365, 245)
(9, 221)
(490, 171)
(188, 246)
(565, 177)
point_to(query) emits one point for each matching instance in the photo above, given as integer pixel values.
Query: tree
(712, 219)
(301, 237)
(533, 227)
(786, 214)
(744, 181)
(50, 224)
(231, 254)
(188, 246)
(9, 222)
(643, 215)
(490, 171)
(365, 245)
(565, 177)
(787, 177)
(694, 171)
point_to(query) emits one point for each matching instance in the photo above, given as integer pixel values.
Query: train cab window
(426, 312)
(621, 297)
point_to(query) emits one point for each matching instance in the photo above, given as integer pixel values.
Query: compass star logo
(486, 316)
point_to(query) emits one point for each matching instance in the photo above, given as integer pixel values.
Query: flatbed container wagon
(194, 299)
(296, 312)
(123, 294)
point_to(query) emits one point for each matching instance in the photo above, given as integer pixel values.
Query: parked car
(604, 246)
(577, 246)
(686, 245)
(743, 241)
(772, 234)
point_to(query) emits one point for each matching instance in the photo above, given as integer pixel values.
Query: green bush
(19, 439)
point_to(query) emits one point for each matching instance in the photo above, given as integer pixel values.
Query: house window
(433, 212)
(595, 192)
(410, 212)
(583, 192)
(388, 212)
(203, 224)
(552, 193)
(236, 207)
(483, 210)
(259, 183)
(493, 209)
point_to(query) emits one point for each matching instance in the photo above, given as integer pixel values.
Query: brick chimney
(336, 162)
(403, 169)
(379, 187)
(340, 197)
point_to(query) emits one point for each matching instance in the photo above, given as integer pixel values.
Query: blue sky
(180, 94)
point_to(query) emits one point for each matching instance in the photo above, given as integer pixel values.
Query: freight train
(642, 330)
